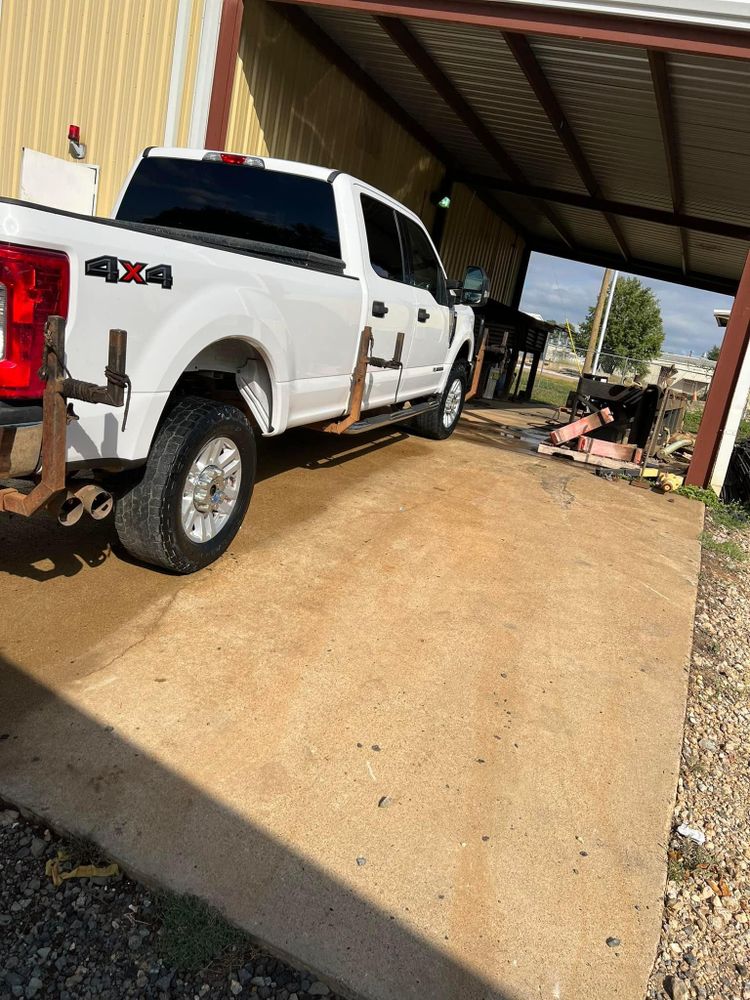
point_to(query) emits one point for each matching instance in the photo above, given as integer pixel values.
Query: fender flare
(461, 345)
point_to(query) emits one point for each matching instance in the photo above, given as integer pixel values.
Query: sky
(562, 289)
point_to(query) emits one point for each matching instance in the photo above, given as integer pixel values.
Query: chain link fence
(563, 359)
(694, 376)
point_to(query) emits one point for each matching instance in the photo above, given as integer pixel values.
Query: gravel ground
(704, 950)
(106, 938)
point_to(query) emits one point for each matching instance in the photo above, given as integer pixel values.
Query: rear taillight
(33, 285)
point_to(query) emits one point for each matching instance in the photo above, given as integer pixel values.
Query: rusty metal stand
(476, 375)
(358, 387)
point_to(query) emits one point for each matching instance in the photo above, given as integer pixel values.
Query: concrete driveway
(495, 641)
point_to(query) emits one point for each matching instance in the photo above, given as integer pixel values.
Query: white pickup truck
(237, 296)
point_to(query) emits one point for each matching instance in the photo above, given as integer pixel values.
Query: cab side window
(383, 239)
(424, 270)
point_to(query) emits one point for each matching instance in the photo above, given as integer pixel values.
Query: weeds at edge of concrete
(725, 515)
(729, 548)
(194, 936)
(690, 858)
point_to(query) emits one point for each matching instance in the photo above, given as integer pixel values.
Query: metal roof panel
(712, 108)
(607, 95)
(608, 98)
(362, 38)
(481, 66)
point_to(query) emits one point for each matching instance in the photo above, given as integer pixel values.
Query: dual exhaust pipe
(96, 502)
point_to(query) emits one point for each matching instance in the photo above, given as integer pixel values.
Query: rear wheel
(189, 504)
(440, 423)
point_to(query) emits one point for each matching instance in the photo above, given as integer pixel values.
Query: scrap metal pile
(633, 429)
(575, 440)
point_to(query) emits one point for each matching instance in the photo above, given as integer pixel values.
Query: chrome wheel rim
(452, 403)
(211, 489)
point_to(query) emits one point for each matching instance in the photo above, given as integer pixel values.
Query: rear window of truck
(243, 202)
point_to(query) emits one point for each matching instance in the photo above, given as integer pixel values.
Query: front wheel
(195, 489)
(440, 423)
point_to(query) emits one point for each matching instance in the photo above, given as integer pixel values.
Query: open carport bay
(494, 641)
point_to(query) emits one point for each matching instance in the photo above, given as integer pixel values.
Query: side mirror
(476, 287)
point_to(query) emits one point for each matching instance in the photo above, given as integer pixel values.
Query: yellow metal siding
(475, 235)
(101, 64)
(288, 101)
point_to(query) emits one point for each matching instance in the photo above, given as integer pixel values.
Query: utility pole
(605, 321)
(597, 321)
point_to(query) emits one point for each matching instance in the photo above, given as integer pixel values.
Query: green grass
(688, 858)
(725, 515)
(693, 422)
(730, 549)
(194, 935)
(550, 390)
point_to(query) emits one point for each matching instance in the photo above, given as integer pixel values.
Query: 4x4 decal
(134, 273)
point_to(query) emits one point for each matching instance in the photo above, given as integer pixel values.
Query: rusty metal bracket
(358, 387)
(479, 361)
(113, 393)
(395, 362)
(58, 387)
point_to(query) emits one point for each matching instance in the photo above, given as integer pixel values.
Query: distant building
(695, 374)
(722, 317)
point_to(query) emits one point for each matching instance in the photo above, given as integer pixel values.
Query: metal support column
(523, 268)
(716, 427)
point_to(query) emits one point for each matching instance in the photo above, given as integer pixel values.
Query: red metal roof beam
(230, 28)
(444, 87)
(660, 216)
(657, 62)
(734, 347)
(646, 268)
(545, 95)
(612, 29)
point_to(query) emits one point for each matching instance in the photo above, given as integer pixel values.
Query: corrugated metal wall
(101, 64)
(475, 235)
(290, 102)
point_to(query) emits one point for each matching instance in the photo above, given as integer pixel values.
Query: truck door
(391, 306)
(425, 362)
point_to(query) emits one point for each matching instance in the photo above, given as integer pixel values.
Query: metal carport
(610, 133)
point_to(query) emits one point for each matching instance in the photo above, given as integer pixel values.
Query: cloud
(562, 289)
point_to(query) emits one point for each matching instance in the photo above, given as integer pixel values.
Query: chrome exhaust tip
(70, 511)
(96, 501)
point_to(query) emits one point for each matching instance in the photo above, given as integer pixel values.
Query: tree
(635, 329)
(713, 354)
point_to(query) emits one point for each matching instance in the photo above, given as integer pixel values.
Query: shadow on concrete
(307, 449)
(39, 549)
(153, 821)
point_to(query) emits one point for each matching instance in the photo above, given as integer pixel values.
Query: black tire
(432, 424)
(148, 517)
